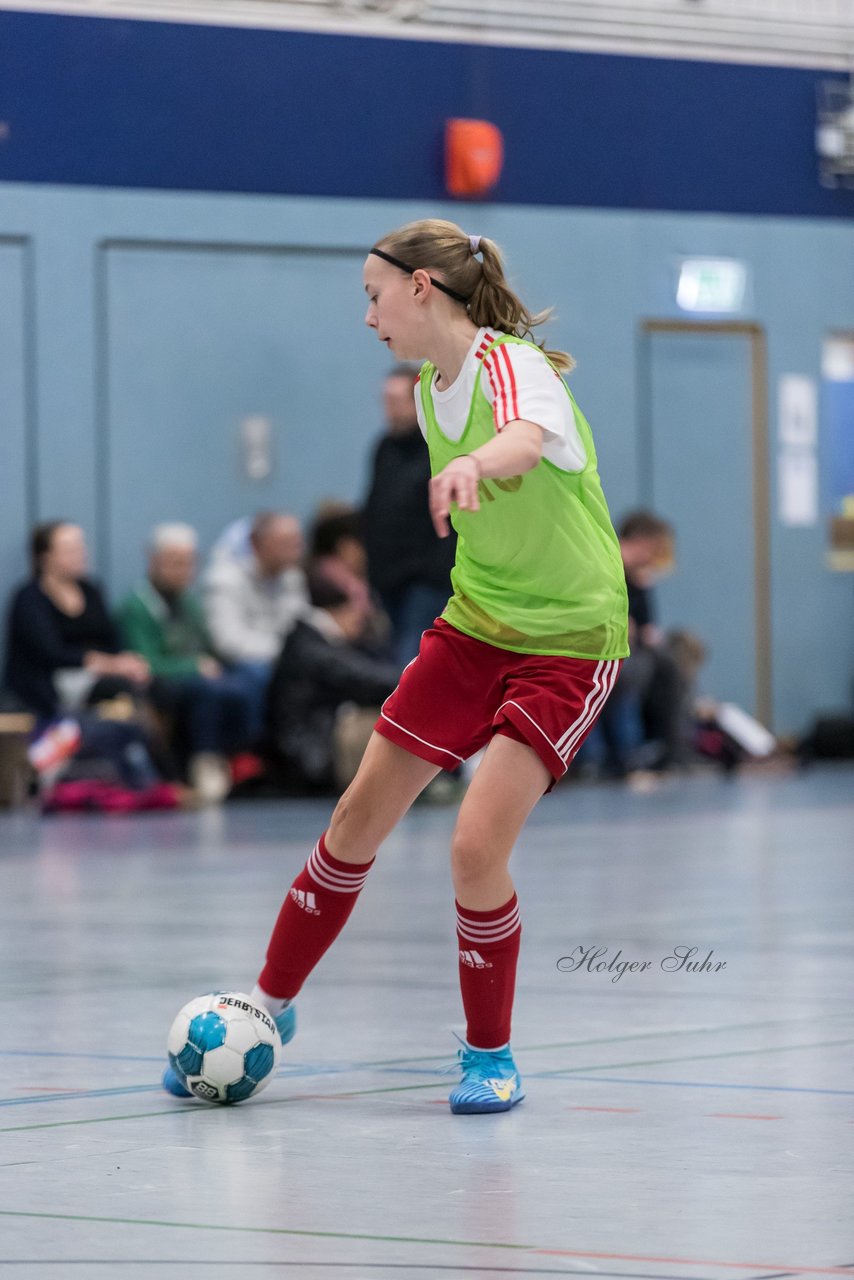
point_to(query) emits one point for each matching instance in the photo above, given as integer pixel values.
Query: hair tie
(474, 241)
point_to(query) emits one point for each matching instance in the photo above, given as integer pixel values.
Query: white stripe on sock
(335, 873)
(491, 932)
(475, 926)
(487, 930)
(328, 878)
(482, 940)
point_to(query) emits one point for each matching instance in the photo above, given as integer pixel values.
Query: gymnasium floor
(695, 1125)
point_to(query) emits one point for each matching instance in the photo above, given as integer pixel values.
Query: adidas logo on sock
(306, 901)
(474, 960)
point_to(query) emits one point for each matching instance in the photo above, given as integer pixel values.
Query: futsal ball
(223, 1047)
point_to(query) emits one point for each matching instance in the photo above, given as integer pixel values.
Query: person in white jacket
(254, 593)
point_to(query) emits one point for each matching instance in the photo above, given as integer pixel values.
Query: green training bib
(538, 567)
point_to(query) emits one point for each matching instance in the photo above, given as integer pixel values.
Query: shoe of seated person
(210, 777)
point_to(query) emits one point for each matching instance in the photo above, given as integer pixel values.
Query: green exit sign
(711, 284)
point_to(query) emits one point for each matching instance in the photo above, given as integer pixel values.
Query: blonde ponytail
(442, 247)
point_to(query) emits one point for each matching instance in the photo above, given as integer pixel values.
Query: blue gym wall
(138, 326)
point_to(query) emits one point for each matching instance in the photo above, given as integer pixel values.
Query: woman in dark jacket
(59, 623)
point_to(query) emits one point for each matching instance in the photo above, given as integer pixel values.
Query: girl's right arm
(518, 449)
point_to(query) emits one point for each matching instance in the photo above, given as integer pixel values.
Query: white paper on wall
(797, 411)
(797, 487)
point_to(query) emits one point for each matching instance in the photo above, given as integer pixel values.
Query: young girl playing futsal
(521, 661)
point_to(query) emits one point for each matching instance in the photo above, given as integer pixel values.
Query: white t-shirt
(518, 382)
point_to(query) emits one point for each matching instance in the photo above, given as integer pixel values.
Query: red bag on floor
(92, 796)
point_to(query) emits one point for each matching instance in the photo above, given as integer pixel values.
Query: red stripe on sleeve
(514, 399)
(495, 394)
(494, 367)
(484, 346)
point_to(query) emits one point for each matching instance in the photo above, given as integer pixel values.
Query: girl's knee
(473, 856)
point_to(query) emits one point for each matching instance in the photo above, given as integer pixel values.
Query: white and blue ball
(223, 1047)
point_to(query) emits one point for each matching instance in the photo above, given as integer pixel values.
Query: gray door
(194, 340)
(15, 507)
(697, 470)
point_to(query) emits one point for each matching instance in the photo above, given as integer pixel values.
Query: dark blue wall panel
(118, 103)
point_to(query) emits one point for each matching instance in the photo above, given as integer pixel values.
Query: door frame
(760, 478)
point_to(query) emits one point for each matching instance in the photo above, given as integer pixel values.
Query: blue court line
(95, 1057)
(82, 1093)
(284, 1070)
(674, 1084)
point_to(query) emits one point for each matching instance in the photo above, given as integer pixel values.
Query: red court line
(790, 1267)
(715, 1115)
(734, 1115)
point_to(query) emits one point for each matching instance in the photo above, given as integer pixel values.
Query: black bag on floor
(830, 738)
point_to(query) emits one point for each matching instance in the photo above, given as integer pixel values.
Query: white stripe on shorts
(593, 704)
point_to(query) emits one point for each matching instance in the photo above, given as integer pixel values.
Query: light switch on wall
(256, 436)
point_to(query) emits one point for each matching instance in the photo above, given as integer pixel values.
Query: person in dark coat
(651, 698)
(64, 656)
(60, 633)
(320, 670)
(409, 566)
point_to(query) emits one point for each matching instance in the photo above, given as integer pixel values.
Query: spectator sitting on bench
(254, 590)
(209, 707)
(63, 650)
(320, 670)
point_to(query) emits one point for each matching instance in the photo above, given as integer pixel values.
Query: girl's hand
(457, 483)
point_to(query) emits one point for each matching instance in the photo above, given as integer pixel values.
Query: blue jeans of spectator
(211, 714)
(620, 725)
(254, 679)
(412, 609)
(121, 743)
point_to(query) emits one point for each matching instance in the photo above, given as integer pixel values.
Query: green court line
(637, 1035)
(696, 1057)
(426, 1240)
(276, 1231)
(63, 1124)
(198, 1111)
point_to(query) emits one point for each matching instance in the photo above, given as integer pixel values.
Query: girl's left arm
(516, 450)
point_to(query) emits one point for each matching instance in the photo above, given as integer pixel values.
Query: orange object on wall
(474, 157)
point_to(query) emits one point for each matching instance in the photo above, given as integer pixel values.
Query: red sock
(313, 914)
(489, 949)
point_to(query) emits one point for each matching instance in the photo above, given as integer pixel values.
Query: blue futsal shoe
(491, 1082)
(174, 1084)
(286, 1021)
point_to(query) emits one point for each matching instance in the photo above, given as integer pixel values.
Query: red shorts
(459, 691)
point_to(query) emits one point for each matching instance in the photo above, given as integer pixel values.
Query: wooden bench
(15, 769)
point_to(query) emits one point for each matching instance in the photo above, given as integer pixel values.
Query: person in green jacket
(162, 620)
